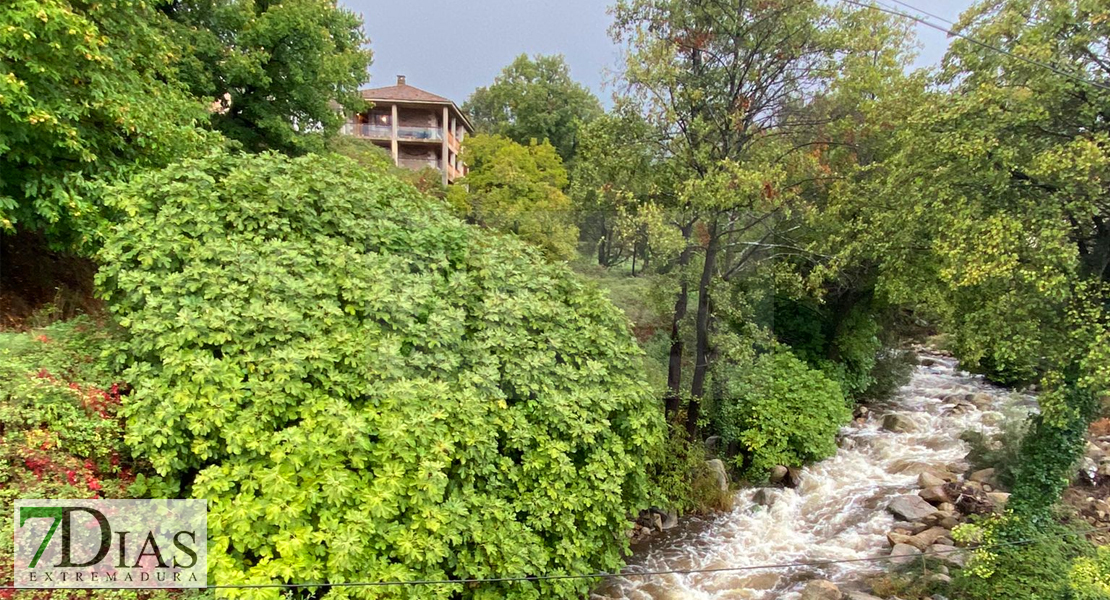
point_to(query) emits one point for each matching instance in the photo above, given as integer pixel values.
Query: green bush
(680, 479)
(781, 412)
(365, 388)
(1021, 562)
(1090, 576)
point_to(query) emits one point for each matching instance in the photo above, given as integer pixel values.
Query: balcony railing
(385, 132)
(419, 133)
(366, 130)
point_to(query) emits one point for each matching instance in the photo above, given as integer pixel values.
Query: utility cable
(628, 574)
(951, 32)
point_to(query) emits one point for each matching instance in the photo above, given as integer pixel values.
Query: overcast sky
(450, 47)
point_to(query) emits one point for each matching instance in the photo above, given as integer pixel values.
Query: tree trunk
(702, 349)
(673, 400)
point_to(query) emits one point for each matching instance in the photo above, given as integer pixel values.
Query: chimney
(400, 80)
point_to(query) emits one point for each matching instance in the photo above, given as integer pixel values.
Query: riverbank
(838, 513)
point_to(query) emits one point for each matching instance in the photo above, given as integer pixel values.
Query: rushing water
(838, 510)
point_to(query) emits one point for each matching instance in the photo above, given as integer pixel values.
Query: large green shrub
(781, 412)
(1021, 561)
(365, 388)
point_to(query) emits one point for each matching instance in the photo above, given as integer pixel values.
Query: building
(420, 129)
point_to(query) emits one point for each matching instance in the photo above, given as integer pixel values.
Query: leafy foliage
(274, 68)
(87, 91)
(1021, 562)
(1090, 576)
(517, 189)
(781, 412)
(365, 387)
(534, 100)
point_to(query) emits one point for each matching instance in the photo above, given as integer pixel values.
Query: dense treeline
(340, 352)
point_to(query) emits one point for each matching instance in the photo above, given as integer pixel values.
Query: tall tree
(722, 84)
(535, 99)
(87, 91)
(517, 189)
(994, 210)
(276, 69)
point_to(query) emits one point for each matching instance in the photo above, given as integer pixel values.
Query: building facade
(420, 129)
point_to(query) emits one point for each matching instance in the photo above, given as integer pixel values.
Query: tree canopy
(518, 189)
(276, 70)
(535, 99)
(87, 92)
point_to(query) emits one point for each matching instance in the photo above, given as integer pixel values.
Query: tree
(535, 99)
(87, 92)
(727, 88)
(367, 389)
(276, 69)
(518, 189)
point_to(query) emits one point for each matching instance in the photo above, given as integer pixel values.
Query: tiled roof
(403, 93)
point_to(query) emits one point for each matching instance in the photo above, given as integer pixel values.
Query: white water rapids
(838, 510)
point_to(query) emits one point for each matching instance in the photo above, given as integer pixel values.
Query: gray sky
(451, 47)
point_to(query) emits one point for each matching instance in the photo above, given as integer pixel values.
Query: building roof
(404, 93)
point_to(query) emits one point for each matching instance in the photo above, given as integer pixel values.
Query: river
(838, 510)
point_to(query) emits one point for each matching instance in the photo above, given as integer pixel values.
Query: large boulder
(930, 479)
(717, 470)
(934, 495)
(764, 497)
(898, 423)
(910, 507)
(984, 476)
(980, 400)
(821, 589)
(927, 538)
(779, 473)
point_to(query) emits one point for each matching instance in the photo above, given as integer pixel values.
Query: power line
(951, 32)
(627, 574)
(924, 12)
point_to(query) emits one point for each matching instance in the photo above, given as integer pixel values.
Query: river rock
(980, 400)
(910, 507)
(713, 445)
(793, 477)
(953, 399)
(985, 476)
(764, 497)
(778, 473)
(948, 522)
(821, 589)
(903, 554)
(719, 473)
(898, 423)
(947, 507)
(860, 596)
(998, 499)
(929, 479)
(935, 495)
(898, 537)
(948, 555)
(927, 538)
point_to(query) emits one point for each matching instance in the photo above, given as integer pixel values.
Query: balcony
(430, 134)
(374, 132)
